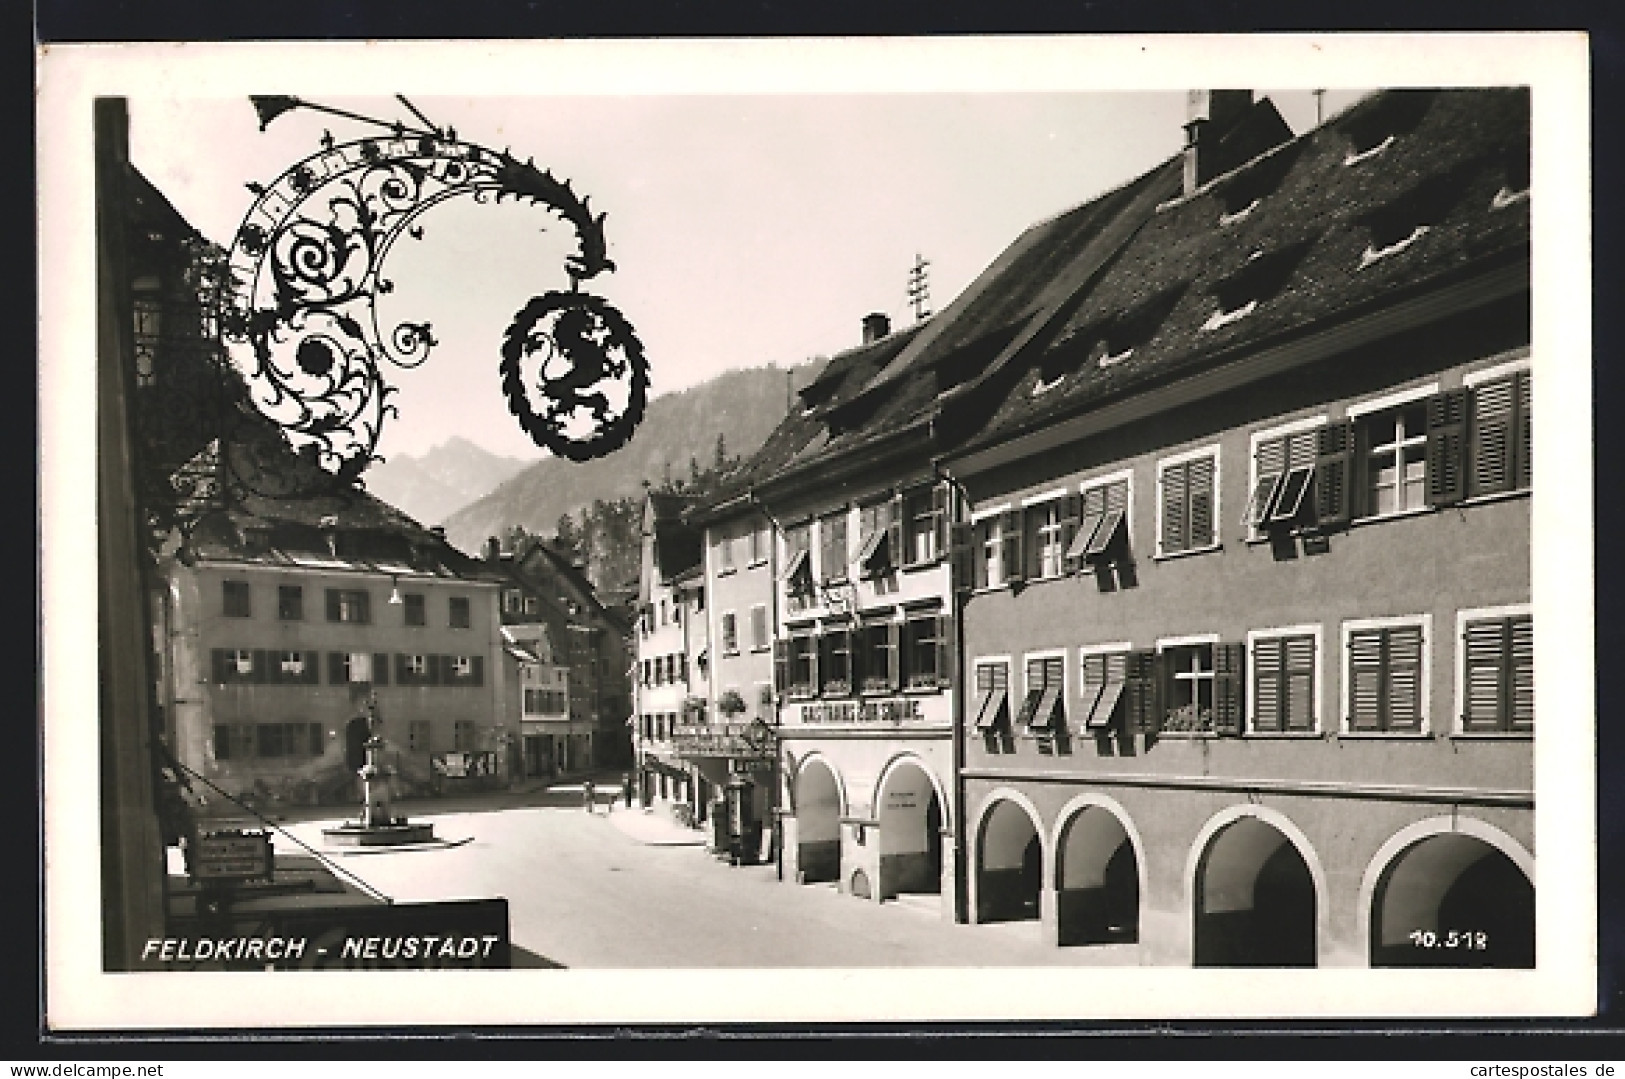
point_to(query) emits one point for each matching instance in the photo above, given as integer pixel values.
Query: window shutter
(1174, 531)
(364, 606)
(1012, 550)
(893, 655)
(1267, 678)
(402, 677)
(335, 668)
(1199, 526)
(896, 553)
(262, 668)
(1490, 447)
(1334, 479)
(962, 547)
(477, 670)
(1524, 440)
(1143, 674)
(219, 658)
(1522, 648)
(1405, 678)
(1298, 677)
(781, 665)
(380, 669)
(940, 501)
(1447, 447)
(1228, 664)
(332, 605)
(944, 629)
(311, 674)
(1071, 513)
(1366, 691)
(1485, 653)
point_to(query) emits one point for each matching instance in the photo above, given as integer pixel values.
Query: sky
(747, 229)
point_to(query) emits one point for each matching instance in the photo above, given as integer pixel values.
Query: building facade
(279, 634)
(1246, 574)
(670, 691)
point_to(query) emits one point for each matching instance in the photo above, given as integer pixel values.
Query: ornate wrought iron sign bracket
(307, 268)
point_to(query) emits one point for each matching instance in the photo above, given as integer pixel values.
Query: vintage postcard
(894, 530)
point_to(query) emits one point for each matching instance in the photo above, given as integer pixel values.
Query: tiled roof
(1331, 234)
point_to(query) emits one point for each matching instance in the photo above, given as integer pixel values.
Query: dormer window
(1374, 128)
(1259, 279)
(1232, 218)
(1241, 193)
(1514, 181)
(1359, 155)
(1043, 385)
(1404, 220)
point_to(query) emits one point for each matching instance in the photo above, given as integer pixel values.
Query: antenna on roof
(789, 390)
(1320, 106)
(919, 288)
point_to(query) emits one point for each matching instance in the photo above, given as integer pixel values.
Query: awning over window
(874, 554)
(1085, 535)
(993, 708)
(1110, 526)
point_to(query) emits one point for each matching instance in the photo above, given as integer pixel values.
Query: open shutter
(1523, 441)
(1228, 665)
(477, 671)
(1143, 673)
(944, 628)
(221, 658)
(1447, 447)
(896, 552)
(781, 665)
(894, 655)
(1012, 550)
(940, 501)
(1071, 512)
(1490, 447)
(402, 677)
(962, 567)
(332, 605)
(1334, 474)
(380, 669)
(1365, 674)
(335, 668)
(262, 667)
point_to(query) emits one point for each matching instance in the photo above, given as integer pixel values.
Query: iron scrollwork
(308, 267)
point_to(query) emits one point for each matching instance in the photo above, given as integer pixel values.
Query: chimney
(875, 326)
(1209, 116)
(493, 549)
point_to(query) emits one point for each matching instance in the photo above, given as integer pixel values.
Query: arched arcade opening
(818, 823)
(1097, 880)
(1009, 865)
(1453, 900)
(910, 815)
(1255, 903)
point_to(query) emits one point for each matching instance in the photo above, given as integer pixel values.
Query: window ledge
(923, 691)
(1491, 736)
(1168, 556)
(1397, 515)
(1298, 736)
(726, 571)
(728, 652)
(754, 563)
(917, 567)
(1381, 736)
(1186, 734)
(1496, 496)
(990, 588)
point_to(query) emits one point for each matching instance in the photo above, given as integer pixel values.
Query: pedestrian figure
(586, 794)
(626, 788)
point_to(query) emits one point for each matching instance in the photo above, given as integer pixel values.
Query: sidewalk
(654, 827)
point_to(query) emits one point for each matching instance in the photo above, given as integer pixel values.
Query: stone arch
(911, 822)
(1256, 891)
(820, 800)
(1099, 872)
(1009, 853)
(1444, 876)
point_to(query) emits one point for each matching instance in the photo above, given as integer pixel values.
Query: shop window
(1187, 500)
(1498, 673)
(1101, 679)
(1385, 682)
(992, 694)
(349, 605)
(290, 603)
(459, 613)
(235, 599)
(1283, 689)
(1042, 709)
